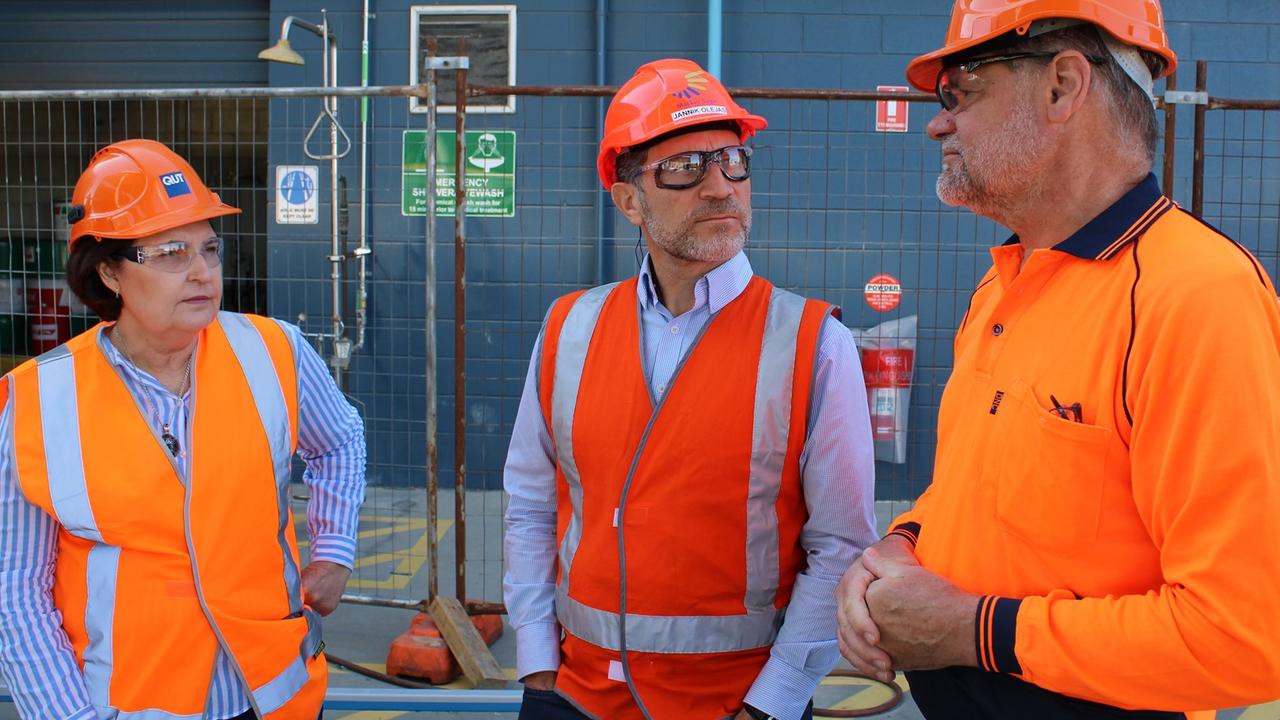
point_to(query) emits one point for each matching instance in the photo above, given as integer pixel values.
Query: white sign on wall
(297, 202)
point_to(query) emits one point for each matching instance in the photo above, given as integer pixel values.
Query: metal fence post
(1170, 135)
(1197, 171)
(460, 329)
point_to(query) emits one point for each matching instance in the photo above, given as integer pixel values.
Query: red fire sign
(891, 115)
(883, 292)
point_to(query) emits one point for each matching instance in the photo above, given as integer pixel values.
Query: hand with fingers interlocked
(893, 614)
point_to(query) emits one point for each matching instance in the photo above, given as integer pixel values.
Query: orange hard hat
(136, 188)
(973, 22)
(663, 96)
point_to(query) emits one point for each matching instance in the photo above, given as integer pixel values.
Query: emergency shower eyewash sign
(491, 173)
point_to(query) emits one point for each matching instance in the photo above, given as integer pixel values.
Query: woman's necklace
(166, 435)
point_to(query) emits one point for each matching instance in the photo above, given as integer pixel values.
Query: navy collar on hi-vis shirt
(1122, 223)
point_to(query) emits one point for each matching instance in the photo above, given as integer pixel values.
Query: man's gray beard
(1007, 165)
(680, 242)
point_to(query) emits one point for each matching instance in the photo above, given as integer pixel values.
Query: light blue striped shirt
(837, 475)
(35, 654)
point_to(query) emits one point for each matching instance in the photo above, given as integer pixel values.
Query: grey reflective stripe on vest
(771, 420)
(99, 621)
(60, 421)
(680, 634)
(279, 690)
(268, 396)
(571, 355)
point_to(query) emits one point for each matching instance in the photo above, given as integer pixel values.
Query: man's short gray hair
(1131, 108)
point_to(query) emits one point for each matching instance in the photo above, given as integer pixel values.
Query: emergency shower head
(281, 52)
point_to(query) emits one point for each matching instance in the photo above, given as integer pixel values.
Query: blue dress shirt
(837, 475)
(35, 654)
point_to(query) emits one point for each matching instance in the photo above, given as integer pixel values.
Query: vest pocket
(1050, 476)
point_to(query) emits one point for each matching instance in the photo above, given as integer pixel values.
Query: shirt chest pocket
(1049, 479)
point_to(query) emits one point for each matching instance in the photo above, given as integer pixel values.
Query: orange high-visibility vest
(697, 492)
(154, 575)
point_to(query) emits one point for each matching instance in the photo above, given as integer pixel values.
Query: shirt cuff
(996, 634)
(908, 530)
(537, 648)
(338, 549)
(84, 713)
(781, 690)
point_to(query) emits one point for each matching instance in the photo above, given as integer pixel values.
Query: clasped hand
(893, 614)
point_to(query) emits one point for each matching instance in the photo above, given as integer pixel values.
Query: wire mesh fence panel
(842, 213)
(1242, 179)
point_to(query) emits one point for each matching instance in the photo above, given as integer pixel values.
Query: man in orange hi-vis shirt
(1099, 537)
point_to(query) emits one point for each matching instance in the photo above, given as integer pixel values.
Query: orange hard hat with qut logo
(663, 96)
(136, 188)
(1136, 23)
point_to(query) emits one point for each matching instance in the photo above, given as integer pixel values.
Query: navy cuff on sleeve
(908, 530)
(996, 634)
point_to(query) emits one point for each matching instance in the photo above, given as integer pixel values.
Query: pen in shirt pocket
(1067, 412)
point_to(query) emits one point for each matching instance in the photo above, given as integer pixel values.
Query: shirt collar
(1117, 226)
(716, 289)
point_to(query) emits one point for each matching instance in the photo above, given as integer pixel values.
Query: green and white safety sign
(490, 174)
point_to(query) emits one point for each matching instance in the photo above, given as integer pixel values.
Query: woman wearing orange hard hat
(148, 562)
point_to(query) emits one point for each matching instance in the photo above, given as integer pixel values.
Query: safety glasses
(688, 168)
(956, 82)
(175, 256)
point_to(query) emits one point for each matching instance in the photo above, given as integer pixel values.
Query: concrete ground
(394, 564)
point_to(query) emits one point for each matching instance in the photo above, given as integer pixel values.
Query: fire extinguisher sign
(883, 292)
(891, 115)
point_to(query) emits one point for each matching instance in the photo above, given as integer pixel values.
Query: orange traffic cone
(421, 651)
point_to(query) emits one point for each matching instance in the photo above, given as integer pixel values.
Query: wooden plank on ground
(467, 645)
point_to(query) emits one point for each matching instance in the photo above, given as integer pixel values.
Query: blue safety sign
(296, 200)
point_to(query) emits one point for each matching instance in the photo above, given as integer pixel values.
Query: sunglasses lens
(736, 163)
(945, 90)
(681, 171)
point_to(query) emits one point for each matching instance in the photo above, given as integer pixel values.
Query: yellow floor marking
(865, 693)
(407, 566)
(1269, 711)
(371, 715)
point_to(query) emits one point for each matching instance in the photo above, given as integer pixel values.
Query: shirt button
(675, 329)
(997, 329)
(661, 389)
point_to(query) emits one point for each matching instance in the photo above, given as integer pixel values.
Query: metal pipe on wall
(602, 225)
(336, 257)
(363, 250)
(715, 15)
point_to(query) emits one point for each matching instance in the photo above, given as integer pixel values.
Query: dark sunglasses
(687, 169)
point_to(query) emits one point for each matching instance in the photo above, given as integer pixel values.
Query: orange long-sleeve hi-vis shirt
(1108, 464)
